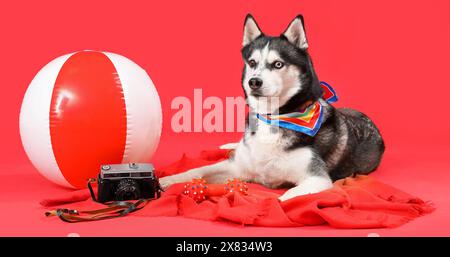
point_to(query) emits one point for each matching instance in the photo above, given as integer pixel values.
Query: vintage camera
(121, 182)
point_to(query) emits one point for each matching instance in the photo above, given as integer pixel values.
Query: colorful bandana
(329, 94)
(306, 121)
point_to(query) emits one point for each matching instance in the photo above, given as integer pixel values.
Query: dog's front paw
(310, 185)
(294, 192)
(298, 191)
(291, 194)
(167, 181)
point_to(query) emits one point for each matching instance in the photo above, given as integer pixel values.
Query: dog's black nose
(255, 83)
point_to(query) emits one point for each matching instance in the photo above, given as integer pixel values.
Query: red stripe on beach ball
(88, 123)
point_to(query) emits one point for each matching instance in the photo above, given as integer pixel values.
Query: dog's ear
(251, 30)
(295, 33)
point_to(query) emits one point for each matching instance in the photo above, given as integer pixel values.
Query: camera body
(121, 182)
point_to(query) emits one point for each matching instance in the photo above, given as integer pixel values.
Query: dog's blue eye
(252, 63)
(277, 65)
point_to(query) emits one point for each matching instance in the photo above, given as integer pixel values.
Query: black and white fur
(279, 77)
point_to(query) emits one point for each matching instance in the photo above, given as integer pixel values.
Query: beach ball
(86, 109)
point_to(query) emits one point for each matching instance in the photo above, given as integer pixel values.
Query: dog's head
(278, 74)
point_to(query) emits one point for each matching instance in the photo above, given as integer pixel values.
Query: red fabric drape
(359, 202)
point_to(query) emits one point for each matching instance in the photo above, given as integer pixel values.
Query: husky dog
(279, 77)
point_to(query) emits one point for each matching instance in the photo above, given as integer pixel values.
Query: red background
(388, 59)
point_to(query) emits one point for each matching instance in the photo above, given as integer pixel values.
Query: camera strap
(113, 210)
(91, 191)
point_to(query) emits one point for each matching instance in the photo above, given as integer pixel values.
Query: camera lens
(127, 189)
